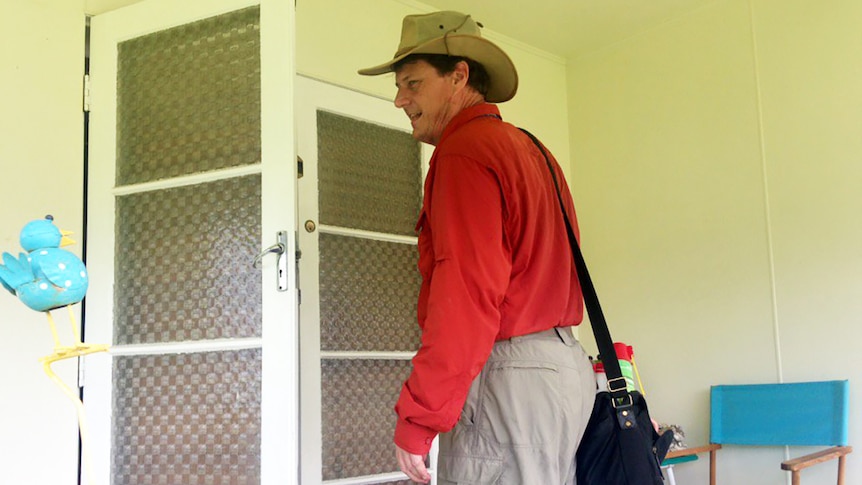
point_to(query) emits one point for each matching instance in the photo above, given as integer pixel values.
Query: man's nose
(400, 99)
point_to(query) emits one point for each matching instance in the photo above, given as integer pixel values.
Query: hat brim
(501, 70)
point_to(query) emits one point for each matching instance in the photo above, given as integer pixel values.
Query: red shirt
(495, 263)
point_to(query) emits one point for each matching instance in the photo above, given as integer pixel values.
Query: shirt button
(427, 441)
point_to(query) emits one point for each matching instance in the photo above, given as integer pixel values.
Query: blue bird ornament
(46, 277)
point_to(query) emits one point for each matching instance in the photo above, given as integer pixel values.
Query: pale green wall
(704, 150)
(41, 128)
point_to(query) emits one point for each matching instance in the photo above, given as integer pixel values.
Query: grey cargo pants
(524, 416)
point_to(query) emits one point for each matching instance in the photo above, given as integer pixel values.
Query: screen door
(191, 178)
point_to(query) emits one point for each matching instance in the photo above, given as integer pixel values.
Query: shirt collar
(469, 114)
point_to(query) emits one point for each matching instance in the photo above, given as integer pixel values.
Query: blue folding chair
(794, 414)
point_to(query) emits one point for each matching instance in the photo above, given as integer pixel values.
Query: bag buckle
(618, 402)
(618, 380)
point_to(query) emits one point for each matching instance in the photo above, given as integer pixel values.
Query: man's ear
(461, 73)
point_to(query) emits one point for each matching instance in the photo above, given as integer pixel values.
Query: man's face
(427, 99)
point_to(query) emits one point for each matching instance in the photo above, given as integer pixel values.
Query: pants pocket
(521, 403)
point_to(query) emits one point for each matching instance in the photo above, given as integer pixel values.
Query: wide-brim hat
(454, 34)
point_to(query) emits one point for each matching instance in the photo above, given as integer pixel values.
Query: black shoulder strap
(616, 383)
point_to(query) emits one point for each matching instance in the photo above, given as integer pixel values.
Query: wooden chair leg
(841, 470)
(712, 459)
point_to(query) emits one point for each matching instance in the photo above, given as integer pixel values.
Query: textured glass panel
(370, 177)
(368, 293)
(183, 263)
(358, 421)
(188, 99)
(187, 419)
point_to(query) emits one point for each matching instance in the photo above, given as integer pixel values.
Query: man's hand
(412, 465)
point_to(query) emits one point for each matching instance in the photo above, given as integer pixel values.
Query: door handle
(281, 263)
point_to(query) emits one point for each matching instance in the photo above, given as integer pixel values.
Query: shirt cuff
(413, 438)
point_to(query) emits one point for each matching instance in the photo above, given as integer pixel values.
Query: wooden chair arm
(692, 451)
(806, 461)
(711, 448)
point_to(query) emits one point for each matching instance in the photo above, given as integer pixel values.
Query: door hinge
(86, 93)
(300, 169)
(80, 372)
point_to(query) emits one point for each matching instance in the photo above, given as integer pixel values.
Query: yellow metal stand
(63, 352)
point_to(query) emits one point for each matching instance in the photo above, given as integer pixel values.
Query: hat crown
(419, 29)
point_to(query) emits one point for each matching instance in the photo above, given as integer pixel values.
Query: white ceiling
(569, 28)
(566, 28)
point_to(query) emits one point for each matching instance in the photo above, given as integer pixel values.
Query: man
(498, 371)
